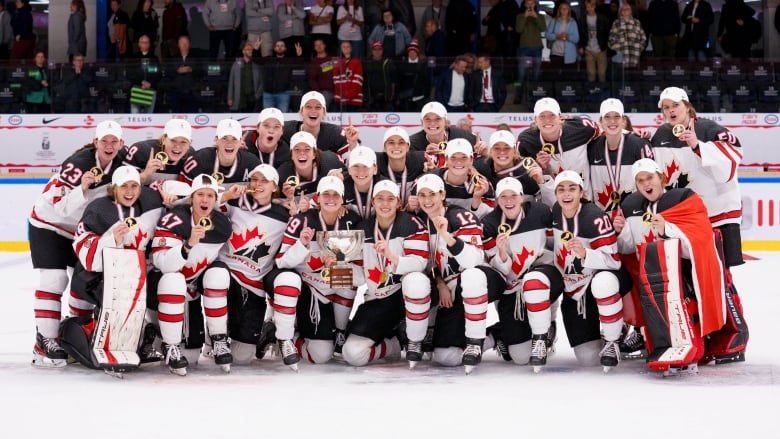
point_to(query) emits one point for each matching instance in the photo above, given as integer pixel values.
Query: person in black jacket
(414, 80)
(145, 21)
(594, 34)
(733, 28)
(76, 81)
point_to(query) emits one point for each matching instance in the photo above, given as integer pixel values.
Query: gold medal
(505, 228)
(442, 147)
(162, 156)
(206, 223)
(97, 172)
(678, 129)
(220, 177)
(382, 277)
(475, 179)
(527, 163)
(566, 236)
(131, 222)
(293, 181)
(549, 148)
(615, 197)
(647, 218)
(325, 274)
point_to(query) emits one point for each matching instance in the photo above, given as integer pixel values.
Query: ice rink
(386, 400)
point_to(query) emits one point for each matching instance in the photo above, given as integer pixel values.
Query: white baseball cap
(270, 113)
(312, 95)
(430, 181)
(228, 127)
(395, 131)
(387, 186)
(123, 174)
(362, 155)
(108, 127)
(303, 137)
(644, 165)
(675, 94)
(332, 183)
(204, 181)
(459, 145)
(611, 104)
(178, 128)
(268, 171)
(510, 184)
(568, 175)
(435, 108)
(502, 136)
(547, 104)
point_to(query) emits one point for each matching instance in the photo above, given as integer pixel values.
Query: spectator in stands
(488, 90)
(348, 80)
(6, 33)
(461, 27)
(451, 87)
(146, 74)
(664, 25)
(24, 37)
(733, 32)
(414, 80)
(37, 96)
(350, 21)
(259, 24)
(319, 18)
(183, 75)
(493, 41)
(594, 34)
(77, 33)
(437, 12)
(245, 86)
(289, 23)
(392, 34)
(529, 25)
(435, 41)
(223, 19)
(76, 80)
(381, 80)
(562, 37)
(174, 26)
(627, 38)
(117, 25)
(466, 123)
(277, 73)
(697, 18)
(320, 72)
(145, 21)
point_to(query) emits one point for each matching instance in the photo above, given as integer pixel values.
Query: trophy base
(341, 277)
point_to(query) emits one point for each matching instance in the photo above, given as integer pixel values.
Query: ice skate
(427, 345)
(338, 344)
(675, 371)
(632, 345)
(538, 357)
(736, 357)
(147, 352)
(414, 353)
(552, 337)
(472, 355)
(499, 346)
(177, 363)
(267, 338)
(220, 349)
(47, 352)
(609, 355)
(289, 354)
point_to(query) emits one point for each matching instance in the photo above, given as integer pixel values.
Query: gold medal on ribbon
(566, 236)
(615, 197)
(549, 148)
(206, 223)
(527, 163)
(162, 156)
(475, 178)
(647, 218)
(382, 277)
(293, 181)
(442, 147)
(325, 274)
(504, 228)
(220, 177)
(678, 129)
(131, 222)
(97, 172)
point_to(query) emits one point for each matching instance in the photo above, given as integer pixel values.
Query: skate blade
(114, 374)
(294, 367)
(606, 369)
(538, 369)
(636, 355)
(413, 364)
(469, 368)
(427, 356)
(224, 368)
(48, 363)
(182, 371)
(691, 369)
(737, 358)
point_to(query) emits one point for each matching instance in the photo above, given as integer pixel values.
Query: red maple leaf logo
(140, 235)
(671, 169)
(562, 255)
(649, 236)
(437, 259)
(605, 196)
(374, 275)
(190, 272)
(315, 263)
(518, 262)
(238, 240)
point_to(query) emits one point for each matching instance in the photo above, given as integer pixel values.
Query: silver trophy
(346, 246)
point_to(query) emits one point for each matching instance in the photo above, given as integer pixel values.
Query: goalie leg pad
(76, 339)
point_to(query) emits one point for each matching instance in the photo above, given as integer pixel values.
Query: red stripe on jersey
(475, 317)
(469, 231)
(163, 233)
(572, 293)
(420, 301)
(209, 292)
(78, 312)
(170, 298)
(725, 150)
(422, 236)
(415, 252)
(284, 290)
(159, 249)
(170, 318)
(288, 240)
(215, 312)
(475, 300)
(537, 307)
(489, 244)
(335, 298)
(726, 215)
(47, 314)
(534, 284)
(606, 301)
(45, 295)
(82, 242)
(247, 281)
(289, 310)
(37, 218)
(601, 242)
(417, 316)
(91, 255)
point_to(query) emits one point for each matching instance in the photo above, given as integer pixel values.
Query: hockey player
(399, 164)
(704, 156)
(184, 250)
(465, 187)
(301, 175)
(516, 244)
(322, 311)
(266, 140)
(395, 254)
(125, 219)
(558, 144)
(163, 158)
(681, 280)
(329, 137)
(82, 178)
(358, 185)
(258, 226)
(436, 132)
(463, 282)
(585, 248)
(227, 162)
(504, 160)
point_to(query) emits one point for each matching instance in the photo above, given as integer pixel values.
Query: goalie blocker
(111, 341)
